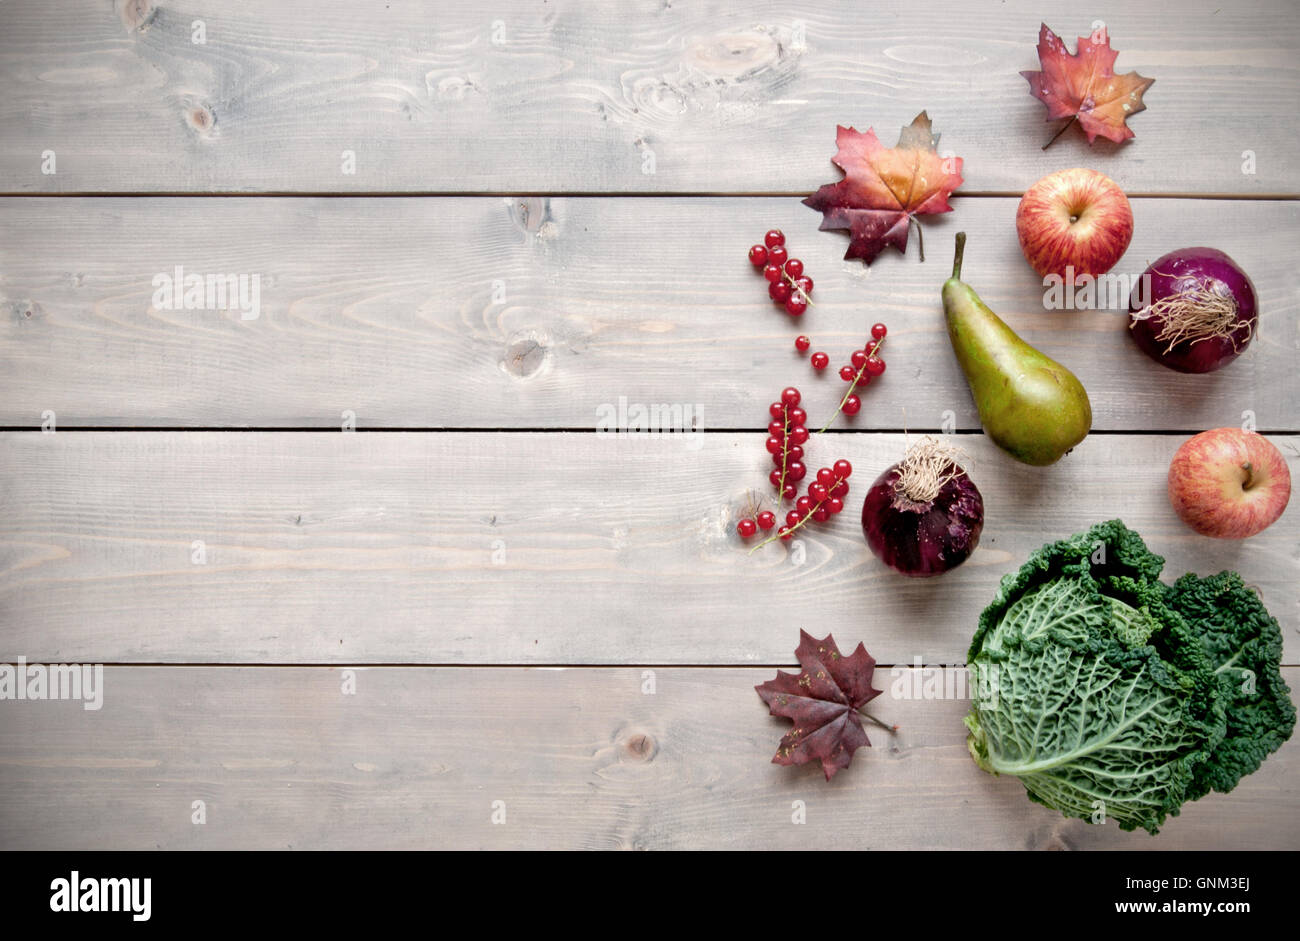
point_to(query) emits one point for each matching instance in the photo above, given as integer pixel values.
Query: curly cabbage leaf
(1112, 695)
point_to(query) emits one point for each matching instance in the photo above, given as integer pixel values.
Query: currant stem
(785, 459)
(1063, 129)
(853, 385)
(790, 529)
(795, 287)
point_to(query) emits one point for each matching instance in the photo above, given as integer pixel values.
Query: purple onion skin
(923, 539)
(1182, 269)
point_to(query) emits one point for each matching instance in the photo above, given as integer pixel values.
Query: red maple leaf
(822, 700)
(1084, 87)
(884, 190)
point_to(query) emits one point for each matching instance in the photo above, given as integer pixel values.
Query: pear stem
(956, 259)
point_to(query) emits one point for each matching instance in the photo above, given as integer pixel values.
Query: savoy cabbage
(1113, 695)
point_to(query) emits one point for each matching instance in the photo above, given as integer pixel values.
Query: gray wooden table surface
(474, 621)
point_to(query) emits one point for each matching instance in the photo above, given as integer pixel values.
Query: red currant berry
(774, 445)
(792, 518)
(776, 410)
(843, 469)
(848, 373)
(821, 514)
(791, 397)
(776, 255)
(794, 268)
(789, 492)
(774, 237)
(795, 471)
(794, 452)
(786, 535)
(772, 273)
(879, 330)
(825, 477)
(758, 256)
(858, 359)
(796, 305)
(875, 366)
(746, 528)
(798, 416)
(778, 459)
(776, 428)
(834, 504)
(779, 291)
(840, 489)
(817, 492)
(852, 405)
(798, 434)
(820, 361)
(802, 343)
(766, 520)
(803, 504)
(775, 477)
(805, 284)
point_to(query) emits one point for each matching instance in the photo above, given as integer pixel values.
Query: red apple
(1074, 221)
(1229, 483)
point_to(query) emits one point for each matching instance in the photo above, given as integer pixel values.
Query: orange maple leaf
(1084, 87)
(883, 190)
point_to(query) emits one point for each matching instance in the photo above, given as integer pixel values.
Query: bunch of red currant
(786, 436)
(863, 366)
(824, 499)
(787, 284)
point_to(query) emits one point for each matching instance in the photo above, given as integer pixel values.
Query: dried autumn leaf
(1084, 87)
(884, 190)
(822, 700)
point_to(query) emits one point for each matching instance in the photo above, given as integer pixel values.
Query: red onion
(924, 515)
(1199, 312)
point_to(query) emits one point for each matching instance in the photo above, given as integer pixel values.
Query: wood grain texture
(571, 96)
(582, 759)
(533, 313)
(516, 548)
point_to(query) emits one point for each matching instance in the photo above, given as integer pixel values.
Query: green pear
(1030, 405)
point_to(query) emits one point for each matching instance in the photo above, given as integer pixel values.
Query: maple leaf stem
(920, 239)
(884, 725)
(1064, 127)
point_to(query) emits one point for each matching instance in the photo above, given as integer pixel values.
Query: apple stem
(956, 258)
(1250, 476)
(1063, 129)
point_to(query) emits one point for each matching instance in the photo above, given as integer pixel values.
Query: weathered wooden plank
(528, 313)
(633, 96)
(517, 548)
(579, 759)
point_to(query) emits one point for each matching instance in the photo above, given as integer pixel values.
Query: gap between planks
(577, 194)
